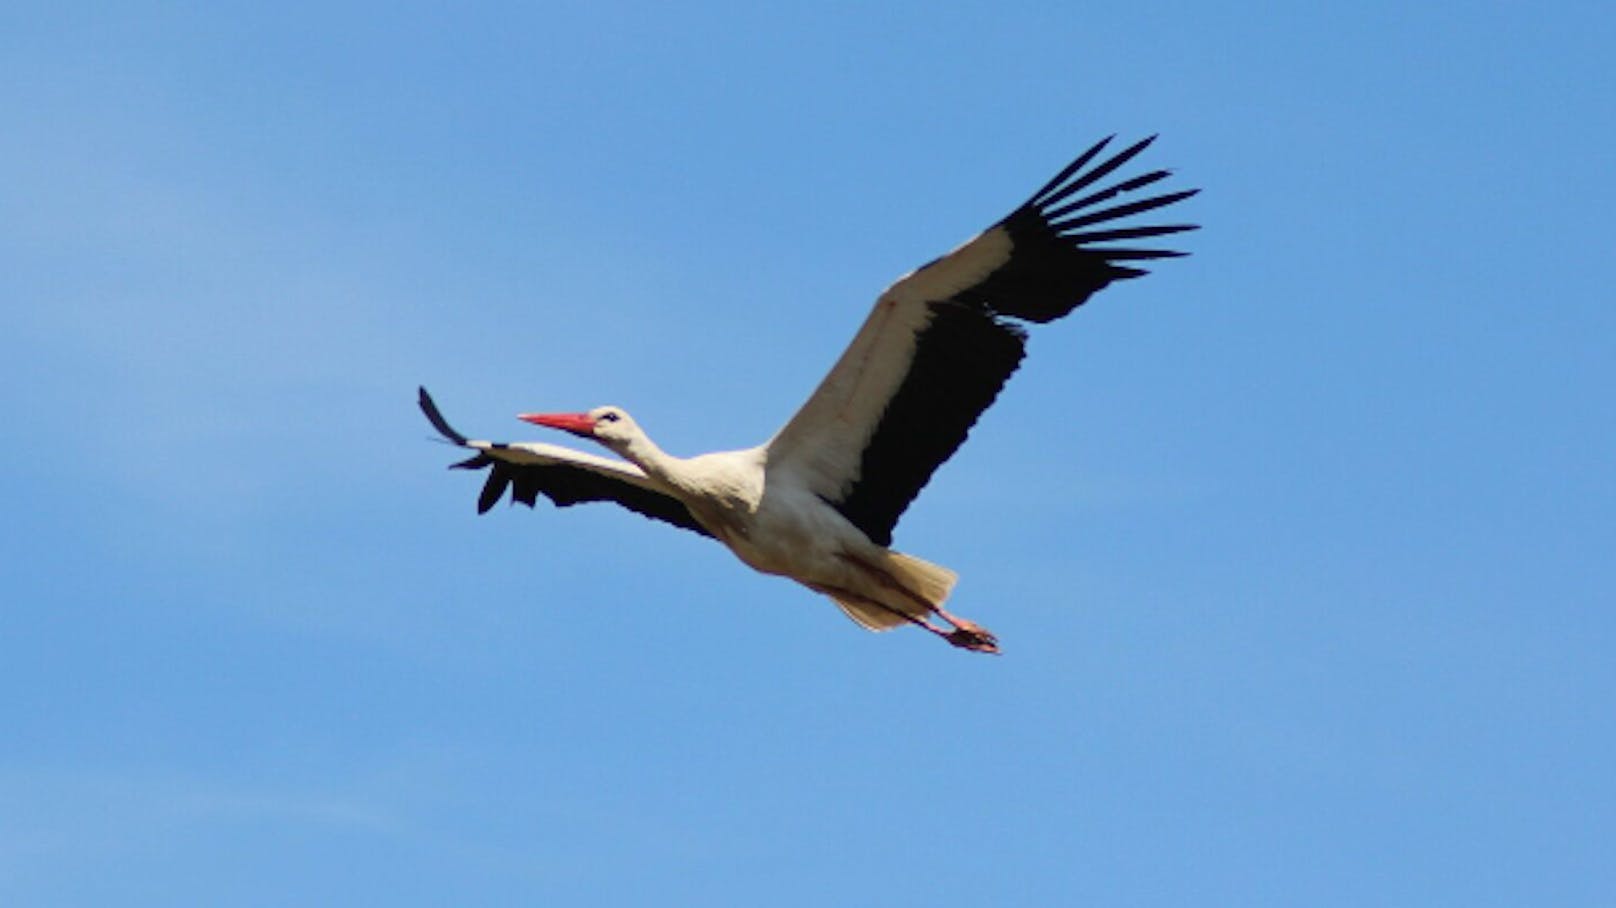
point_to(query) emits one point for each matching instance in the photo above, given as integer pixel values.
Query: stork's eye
(608, 417)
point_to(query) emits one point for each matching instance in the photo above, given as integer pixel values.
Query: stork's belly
(811, 545)
(789, 554)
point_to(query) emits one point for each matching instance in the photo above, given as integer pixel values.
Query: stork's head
(611, 426)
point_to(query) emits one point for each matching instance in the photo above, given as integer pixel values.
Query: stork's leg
(960, 633)
(965, 634)
(968, 634)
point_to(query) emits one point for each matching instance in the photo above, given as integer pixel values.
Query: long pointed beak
(576, 423)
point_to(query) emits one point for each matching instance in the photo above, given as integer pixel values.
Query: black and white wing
(566, 477)
(942, 341)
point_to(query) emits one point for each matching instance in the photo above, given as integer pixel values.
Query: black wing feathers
(1122, 211)
(1055, 265)
(568, 485)
(1068, 170)
(1094, 176)
(435, 417)
(562, 483)
(1094, 198)
(973, 341)
(964, 356)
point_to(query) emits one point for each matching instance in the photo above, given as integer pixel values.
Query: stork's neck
(658, 464)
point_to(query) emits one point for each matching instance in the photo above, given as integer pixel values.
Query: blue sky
(1299, 549)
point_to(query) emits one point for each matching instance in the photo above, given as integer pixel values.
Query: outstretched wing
(566, 477)
(942, 341)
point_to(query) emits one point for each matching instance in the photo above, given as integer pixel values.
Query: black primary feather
(435, 417)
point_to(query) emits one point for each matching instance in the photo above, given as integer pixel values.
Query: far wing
(942, 341)
(566, 477)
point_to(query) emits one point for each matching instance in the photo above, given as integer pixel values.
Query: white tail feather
(910, 587)
(867, 614)
(931, 582)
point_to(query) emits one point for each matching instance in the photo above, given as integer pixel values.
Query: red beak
(576, 423)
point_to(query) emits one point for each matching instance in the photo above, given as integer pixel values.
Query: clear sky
(1300, 549)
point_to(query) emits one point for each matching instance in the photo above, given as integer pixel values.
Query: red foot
(974, 637)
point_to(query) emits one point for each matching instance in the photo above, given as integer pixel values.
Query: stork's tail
(923, 586)
(931, 582)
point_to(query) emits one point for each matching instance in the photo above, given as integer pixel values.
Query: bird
(817, 503)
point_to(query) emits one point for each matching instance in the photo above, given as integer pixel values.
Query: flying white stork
(818, 501)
